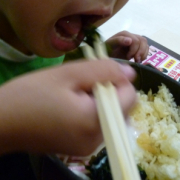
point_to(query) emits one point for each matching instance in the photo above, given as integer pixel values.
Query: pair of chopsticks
(112, 122)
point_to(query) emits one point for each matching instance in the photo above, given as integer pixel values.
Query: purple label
(156, 59)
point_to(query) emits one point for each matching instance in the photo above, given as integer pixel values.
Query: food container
(24, 166)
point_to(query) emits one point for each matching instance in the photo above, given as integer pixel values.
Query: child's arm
(53, 110)
(126, 45)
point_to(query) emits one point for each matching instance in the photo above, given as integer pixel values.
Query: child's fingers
(142, 51)
(127, 97)
(86, 74)
(128, 71)
(137, 48)
(128, 40)
(146, 53)
(119, 41)
(129, 45)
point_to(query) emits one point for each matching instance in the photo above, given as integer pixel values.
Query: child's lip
(66, 44)
(68, 32)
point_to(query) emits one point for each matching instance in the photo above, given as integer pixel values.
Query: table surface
(156, 19)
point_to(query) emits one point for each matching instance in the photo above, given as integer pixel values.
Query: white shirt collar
(10, 53)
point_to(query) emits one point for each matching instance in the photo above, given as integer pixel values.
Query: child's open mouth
(68, 32)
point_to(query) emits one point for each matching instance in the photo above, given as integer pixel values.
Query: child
(52, 110)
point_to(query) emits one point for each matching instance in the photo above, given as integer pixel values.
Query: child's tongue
(69, 26)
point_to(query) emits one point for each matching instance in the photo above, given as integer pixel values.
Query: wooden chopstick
(112, 138)
(121, 126)
(112, 123)
(89, 52)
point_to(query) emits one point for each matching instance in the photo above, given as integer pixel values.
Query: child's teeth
(72, 38)
(58, 35)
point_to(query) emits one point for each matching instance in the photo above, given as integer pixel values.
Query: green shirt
(10, 69)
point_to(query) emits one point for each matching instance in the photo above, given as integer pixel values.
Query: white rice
(156, 119)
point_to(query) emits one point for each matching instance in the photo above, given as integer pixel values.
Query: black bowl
(150, 78)
(32, 167)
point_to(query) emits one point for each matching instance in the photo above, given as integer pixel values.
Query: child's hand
(126, 45)
(54, 111)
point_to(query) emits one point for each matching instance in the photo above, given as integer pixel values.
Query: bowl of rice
(157, 125)
(155, 133)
